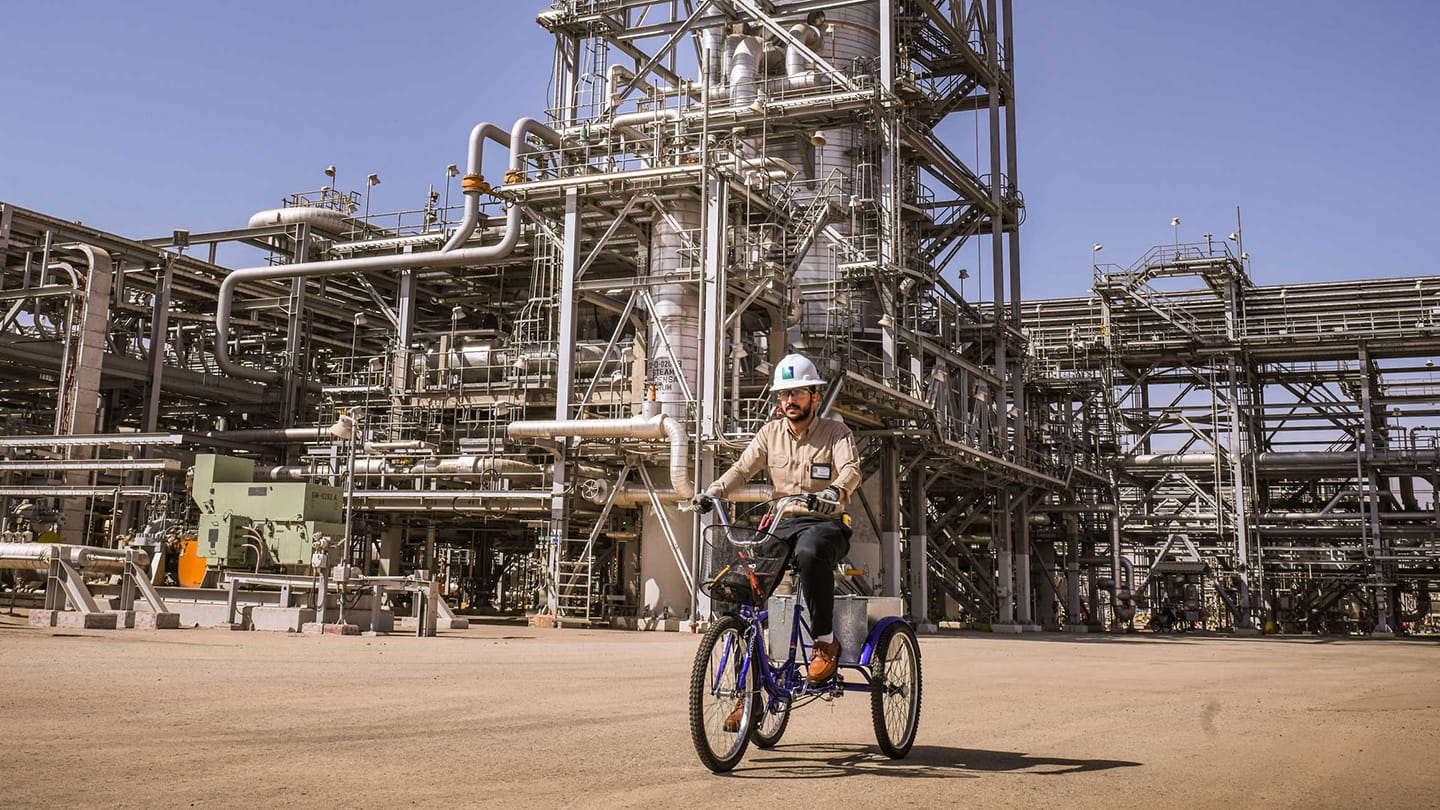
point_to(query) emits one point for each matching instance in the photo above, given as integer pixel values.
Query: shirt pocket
(780, 456)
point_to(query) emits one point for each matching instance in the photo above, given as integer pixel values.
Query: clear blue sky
(1319, 118)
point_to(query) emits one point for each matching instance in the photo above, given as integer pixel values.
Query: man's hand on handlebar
(702, 503)
(826, 501)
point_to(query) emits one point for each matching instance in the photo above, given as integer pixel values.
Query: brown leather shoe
(824, 661)
(732, 721)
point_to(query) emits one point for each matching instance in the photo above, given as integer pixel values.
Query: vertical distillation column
(856, 35)
(848, 155)
(673, 345)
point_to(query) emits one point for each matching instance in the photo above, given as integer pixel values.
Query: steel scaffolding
(531, 381)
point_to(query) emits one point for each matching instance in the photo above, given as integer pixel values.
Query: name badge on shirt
(820, 472)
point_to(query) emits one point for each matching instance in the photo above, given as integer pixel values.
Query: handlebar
(781, 504)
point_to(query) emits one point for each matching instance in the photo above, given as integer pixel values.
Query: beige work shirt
(823, 456)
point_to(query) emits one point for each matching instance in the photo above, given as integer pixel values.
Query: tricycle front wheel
(722, 681)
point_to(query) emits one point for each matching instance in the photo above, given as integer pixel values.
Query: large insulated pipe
(33, 556)
(743, 61)
(368, 264)
(660, 426)
(1272, 461)
(273, 435)
(712, 50)
(675, 305)
(633, 495)
(796, 63)
(473, 183)
(325, 220)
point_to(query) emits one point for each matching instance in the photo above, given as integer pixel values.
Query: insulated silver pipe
(637, 427)
(743, 60)
(633, 495)
(33, 556)
(368, 264)
(324, 220)
(473, 184)
(796, 64)
(300, 434)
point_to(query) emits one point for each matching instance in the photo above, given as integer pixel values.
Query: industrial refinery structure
(508, 401)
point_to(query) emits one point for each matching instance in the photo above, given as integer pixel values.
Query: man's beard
(798, 417)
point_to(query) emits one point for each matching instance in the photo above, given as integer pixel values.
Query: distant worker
(804, 454)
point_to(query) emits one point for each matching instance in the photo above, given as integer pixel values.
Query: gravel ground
(502, 715)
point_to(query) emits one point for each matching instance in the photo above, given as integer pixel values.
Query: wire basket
(742, 574)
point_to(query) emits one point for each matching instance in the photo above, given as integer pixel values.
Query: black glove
(827, 501)
(703, 503)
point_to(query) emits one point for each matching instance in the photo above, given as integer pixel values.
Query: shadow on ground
(828, 761)
(1188, 638)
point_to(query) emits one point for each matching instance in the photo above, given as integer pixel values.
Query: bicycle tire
(769, 726)
(895, 690)
(714, 690)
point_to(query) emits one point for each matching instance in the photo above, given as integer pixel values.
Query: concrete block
(207, 614)
(1007, 628)
(384, 621)
(124, 618)
(149, 620)
(1077, 628)
(86, 621)
(408, 623)
(281, 619)
(541, 620)
(330, 629)
(231, 626)
(43, 618)
(659, 625)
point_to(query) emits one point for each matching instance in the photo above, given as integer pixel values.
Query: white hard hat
(795, 371)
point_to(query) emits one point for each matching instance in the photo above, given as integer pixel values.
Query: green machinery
(279, 520)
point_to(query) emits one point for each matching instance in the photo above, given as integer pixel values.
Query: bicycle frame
(790, 685)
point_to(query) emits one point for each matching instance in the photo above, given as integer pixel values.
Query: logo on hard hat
(787, 373)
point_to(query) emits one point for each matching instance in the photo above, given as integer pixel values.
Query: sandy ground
(508, 716)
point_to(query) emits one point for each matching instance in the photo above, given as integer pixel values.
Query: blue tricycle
(735, 676)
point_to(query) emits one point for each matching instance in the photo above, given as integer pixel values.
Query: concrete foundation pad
(1031, 628)
(927, 628)
(207, 614)
(409, 623)
(541, 620)
(1247, 631)
(1077, 628)
(281, 619)
(87, 621)
(148, 620)
(1382, 634)
(42, 618)
(649, 623)
(329, 629)
(1007, 628)
(124, 618)
(231, 626)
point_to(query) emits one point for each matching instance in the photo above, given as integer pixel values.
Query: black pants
(818, 543)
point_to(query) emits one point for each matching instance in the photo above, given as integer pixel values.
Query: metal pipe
(325, 220)
(1077, 508)
(1281, 461)
(743, 60)
(659, 426)
(796, 63)
(368, 264)
(32, 556)
(275, 435)
(473, 184)
(633, 495)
